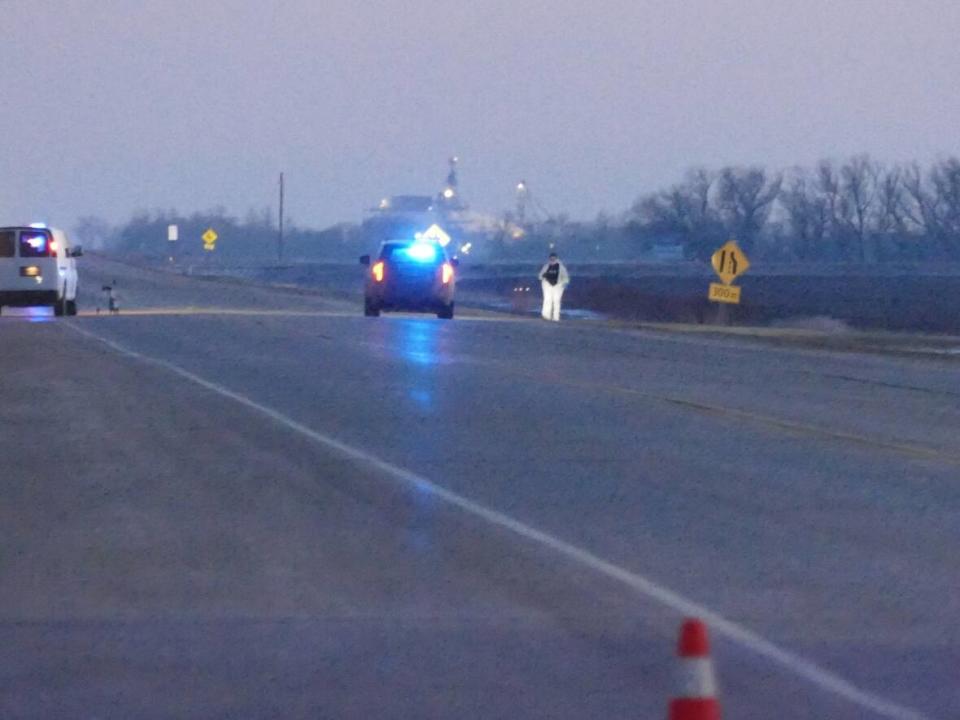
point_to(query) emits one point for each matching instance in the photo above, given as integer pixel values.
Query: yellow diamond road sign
(209, 237)
(437, 235)
(730, 262)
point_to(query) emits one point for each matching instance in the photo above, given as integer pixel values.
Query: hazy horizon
(116, 106)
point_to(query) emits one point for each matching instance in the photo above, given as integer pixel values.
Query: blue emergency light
(423, 252)
(37, 242)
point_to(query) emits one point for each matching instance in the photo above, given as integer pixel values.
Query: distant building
(399, 216)
(406, 204)
(666, 252)
(402, 216)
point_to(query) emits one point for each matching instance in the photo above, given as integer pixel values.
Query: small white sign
(173, 233)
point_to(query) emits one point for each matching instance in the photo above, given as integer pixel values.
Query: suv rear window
(7, 246)
(390, 248)
(35, 243)
(416, 253)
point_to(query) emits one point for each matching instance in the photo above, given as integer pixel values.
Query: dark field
(914, 299)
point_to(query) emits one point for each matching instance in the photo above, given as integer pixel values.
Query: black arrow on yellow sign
(733, 262)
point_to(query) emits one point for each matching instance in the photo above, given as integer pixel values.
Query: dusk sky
(117, 105)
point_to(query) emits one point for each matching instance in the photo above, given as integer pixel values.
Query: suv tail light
(377, 271)
(447, 273)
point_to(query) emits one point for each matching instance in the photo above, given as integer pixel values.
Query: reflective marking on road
(807, 669)
(918, 451)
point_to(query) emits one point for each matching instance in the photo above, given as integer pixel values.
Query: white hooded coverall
(552, 294)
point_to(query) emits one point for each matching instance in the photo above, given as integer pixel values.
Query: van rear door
(32, 267)
(9, 267)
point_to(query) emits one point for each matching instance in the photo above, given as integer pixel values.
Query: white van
(38, 267)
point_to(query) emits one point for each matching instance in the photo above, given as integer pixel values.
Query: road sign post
(173, 234)
(280, 228)
(209, 240)
(729, 262)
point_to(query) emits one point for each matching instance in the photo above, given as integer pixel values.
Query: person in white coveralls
(554, 279)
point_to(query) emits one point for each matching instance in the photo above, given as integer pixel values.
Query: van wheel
(370, 309)
(60, 307)
(446, 312)
(71, 307)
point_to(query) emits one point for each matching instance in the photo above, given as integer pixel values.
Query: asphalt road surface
(232, 501)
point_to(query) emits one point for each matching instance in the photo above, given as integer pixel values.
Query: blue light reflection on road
(37, 314)
(418, 341)
(423, 398)
(421, 343)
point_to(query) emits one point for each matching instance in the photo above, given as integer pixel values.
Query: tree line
(855, 211)
(254, 238)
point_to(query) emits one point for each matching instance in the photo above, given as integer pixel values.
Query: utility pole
(280, 234)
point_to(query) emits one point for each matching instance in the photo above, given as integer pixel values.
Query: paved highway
(232, 501)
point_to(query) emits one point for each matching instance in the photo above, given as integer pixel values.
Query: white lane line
(822, 678)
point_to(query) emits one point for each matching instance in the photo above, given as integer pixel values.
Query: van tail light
(447, 273)
(52, 248)
(377, 271)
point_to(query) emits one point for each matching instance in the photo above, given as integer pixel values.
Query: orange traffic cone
(696, 697)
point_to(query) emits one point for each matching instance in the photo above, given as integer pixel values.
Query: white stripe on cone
(696, 679)
(697, 687)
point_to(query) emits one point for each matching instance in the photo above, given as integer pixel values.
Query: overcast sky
(116, 105)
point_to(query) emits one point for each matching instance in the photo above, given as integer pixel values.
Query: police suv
(412, 275)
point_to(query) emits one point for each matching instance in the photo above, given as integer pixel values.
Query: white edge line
(824, 679)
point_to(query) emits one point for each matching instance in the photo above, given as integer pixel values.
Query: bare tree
(919, 205)
(684, 210)
(857, 193)
(744, 198)
(828, 189)
(891, 221)
(945, 184)
(933, 204)
(93, 232)
(807, 216)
